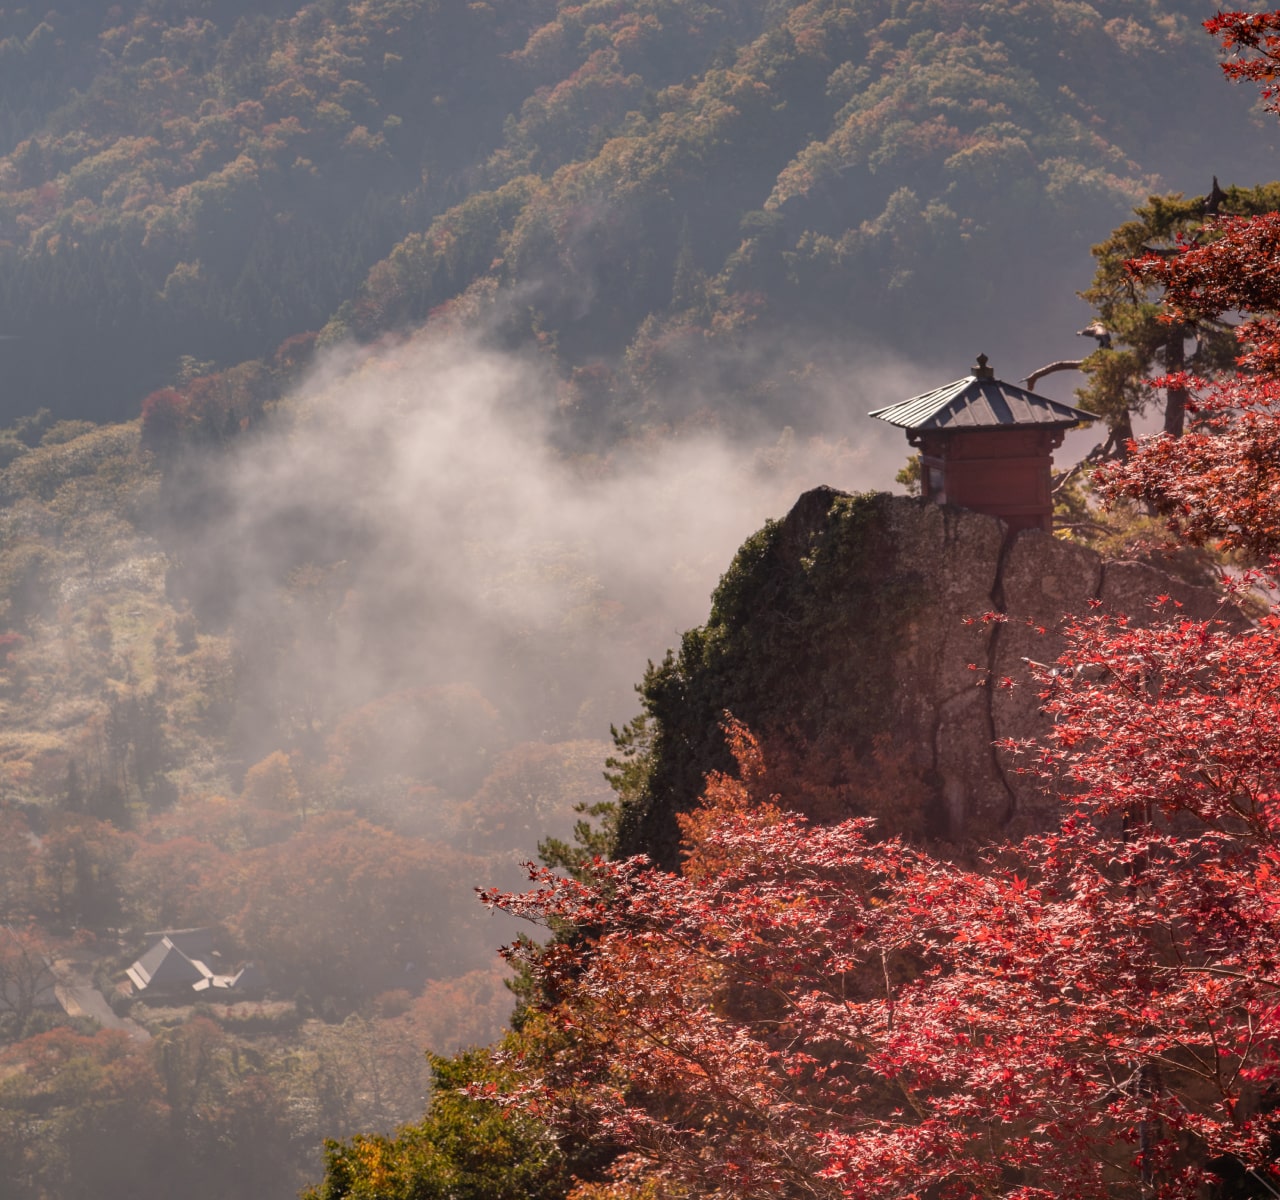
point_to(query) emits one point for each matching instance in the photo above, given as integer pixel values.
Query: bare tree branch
(1065, 364)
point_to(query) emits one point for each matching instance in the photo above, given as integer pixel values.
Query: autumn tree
(470, 1010)
(348, 909)
(1226, 272)
(79, 871)
(25, 973)
(1219, 483)
(88, 1117)
(531, 793)
(101, 1144)
(271, 784)
(174, 883)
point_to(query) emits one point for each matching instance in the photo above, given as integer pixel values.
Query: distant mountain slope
(642, 187)
(207, 179)
(919, 175)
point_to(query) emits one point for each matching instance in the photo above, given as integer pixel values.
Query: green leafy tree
(465, 1148)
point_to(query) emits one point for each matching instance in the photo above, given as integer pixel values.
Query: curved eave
(973, 403)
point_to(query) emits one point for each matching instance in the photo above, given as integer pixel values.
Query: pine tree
(1138, 339)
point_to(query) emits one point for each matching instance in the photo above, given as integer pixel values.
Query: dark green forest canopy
(638, 187)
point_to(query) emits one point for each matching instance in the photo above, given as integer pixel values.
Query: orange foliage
(175, 883)
(826, 783)
(216, 821)
(271, 784)
(348, 908)
(724, 797)
(468, 1010)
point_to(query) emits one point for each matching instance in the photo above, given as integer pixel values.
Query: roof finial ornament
(981, 370)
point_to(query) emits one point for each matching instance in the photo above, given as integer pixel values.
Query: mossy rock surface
(801, 629)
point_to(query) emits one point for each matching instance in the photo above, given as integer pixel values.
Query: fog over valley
(415, 500)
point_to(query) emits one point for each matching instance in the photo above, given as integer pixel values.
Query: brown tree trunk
(1175, 398)
(1121, 436)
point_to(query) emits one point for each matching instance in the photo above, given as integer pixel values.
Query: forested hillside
(656, 193)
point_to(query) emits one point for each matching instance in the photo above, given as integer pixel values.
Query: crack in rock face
(1037, 581)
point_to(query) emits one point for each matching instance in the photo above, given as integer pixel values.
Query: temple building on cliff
(987, 445)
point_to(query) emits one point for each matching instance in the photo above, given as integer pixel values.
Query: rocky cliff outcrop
(839, 636)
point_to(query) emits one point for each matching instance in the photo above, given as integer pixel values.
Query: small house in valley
(178, 967)
(165, 970)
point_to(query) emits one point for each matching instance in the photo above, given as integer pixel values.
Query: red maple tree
(1219, 482)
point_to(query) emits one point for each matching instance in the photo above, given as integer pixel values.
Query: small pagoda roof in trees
(980, 401)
